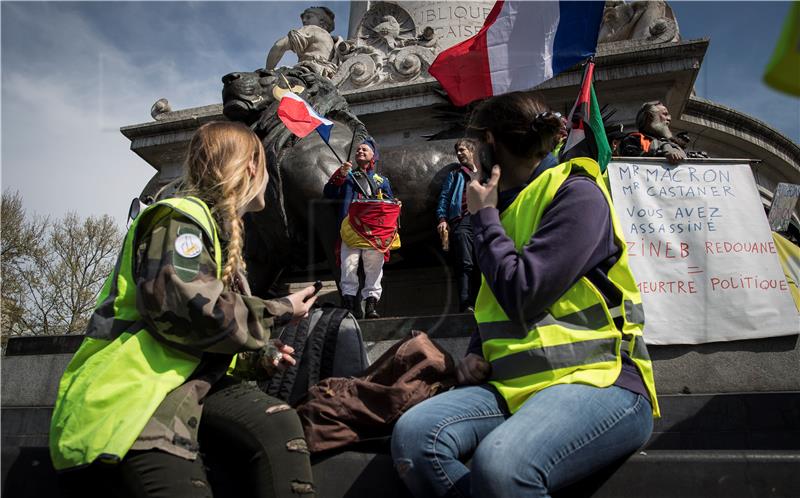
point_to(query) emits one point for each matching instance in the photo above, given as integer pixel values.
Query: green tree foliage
(52, 270)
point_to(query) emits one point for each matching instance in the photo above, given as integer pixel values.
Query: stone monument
(380, 70)
(730, 423)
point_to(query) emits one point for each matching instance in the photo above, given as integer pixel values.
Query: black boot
(353, 304)
(369, 311)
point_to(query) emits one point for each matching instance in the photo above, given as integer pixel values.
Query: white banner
(702, 252)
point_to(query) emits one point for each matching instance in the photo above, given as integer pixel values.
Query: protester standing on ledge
(557, 382)
(362, 183)
(454, 226)
(170, 319)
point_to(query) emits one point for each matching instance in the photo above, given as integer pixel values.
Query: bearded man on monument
(654, 138)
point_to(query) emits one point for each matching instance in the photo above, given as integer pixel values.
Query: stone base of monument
(426, 290)
(730, 425)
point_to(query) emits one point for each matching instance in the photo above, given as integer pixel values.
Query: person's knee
(407, 435)
(489, 463)
(405, 446)
(497, 468)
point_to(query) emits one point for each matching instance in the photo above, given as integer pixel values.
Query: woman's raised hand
(482, 196)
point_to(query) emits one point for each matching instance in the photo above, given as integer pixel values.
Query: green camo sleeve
(182, 302)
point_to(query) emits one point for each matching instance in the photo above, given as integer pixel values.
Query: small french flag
(301, 119)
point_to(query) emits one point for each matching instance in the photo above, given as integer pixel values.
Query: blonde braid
(227, 215)
(217, 172)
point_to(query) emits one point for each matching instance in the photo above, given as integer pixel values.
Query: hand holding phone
(302, 300)
(317, 288)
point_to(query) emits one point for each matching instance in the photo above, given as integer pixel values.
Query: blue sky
(74, 73)
(743, 37)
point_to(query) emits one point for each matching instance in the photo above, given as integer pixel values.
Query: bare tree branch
(52, 271)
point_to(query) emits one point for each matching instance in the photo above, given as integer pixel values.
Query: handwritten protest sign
(702, 253)
(780, 213)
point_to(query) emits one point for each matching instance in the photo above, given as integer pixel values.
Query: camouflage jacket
(183, 304)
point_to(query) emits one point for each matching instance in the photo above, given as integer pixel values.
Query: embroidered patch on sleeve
(189, 245)
(185, 259)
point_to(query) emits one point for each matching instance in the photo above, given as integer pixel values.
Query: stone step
(705, 445)
(752, 421)
(758, 365)
(650, 473)
(429, 290)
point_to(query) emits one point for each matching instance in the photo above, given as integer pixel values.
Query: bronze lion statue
(298, 227)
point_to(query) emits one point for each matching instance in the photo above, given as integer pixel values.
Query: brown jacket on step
(340, 411)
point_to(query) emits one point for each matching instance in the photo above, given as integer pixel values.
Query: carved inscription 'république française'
(468, 19)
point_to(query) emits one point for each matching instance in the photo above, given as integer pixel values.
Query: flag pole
(288, 85)
(352, 141)
(331, 148)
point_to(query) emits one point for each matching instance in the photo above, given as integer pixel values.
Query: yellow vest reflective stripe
(121, 373)
(579, 339)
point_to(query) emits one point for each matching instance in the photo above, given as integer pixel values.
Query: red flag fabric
(463, 69)
(375, 221)
(301, 119)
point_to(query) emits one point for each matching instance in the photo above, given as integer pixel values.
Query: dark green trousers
(251, 444)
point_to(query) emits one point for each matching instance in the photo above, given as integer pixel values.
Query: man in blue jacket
(348, 183)
(454, 221)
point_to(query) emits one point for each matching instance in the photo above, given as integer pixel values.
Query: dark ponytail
(520, 122)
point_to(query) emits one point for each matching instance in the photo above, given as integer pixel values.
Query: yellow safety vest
(577, 341)
(121, 373)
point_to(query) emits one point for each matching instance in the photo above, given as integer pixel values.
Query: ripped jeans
(252, 445)
(560, 435)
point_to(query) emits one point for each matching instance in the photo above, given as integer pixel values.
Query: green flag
(599, 131)
(587, 136)
(783, 71)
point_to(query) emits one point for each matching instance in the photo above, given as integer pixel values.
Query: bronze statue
(298, 226)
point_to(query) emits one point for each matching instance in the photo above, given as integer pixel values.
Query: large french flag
(520, 45)
(301, 119)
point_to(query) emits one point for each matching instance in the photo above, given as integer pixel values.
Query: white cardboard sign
(702, 252)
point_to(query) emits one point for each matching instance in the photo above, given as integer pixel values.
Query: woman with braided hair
(157, 379)
(556, 382)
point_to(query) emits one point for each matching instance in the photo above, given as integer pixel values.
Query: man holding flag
(557, 382)
(368, 215)
(368, 219)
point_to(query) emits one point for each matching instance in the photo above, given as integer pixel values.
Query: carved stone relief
(648, 21)
(388, 48)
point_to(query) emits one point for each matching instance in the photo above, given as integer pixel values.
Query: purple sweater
(575, 238)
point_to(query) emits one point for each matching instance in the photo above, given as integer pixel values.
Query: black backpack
(327, 343)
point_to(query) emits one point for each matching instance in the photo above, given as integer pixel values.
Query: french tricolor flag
(520, 45)
(301, 119)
